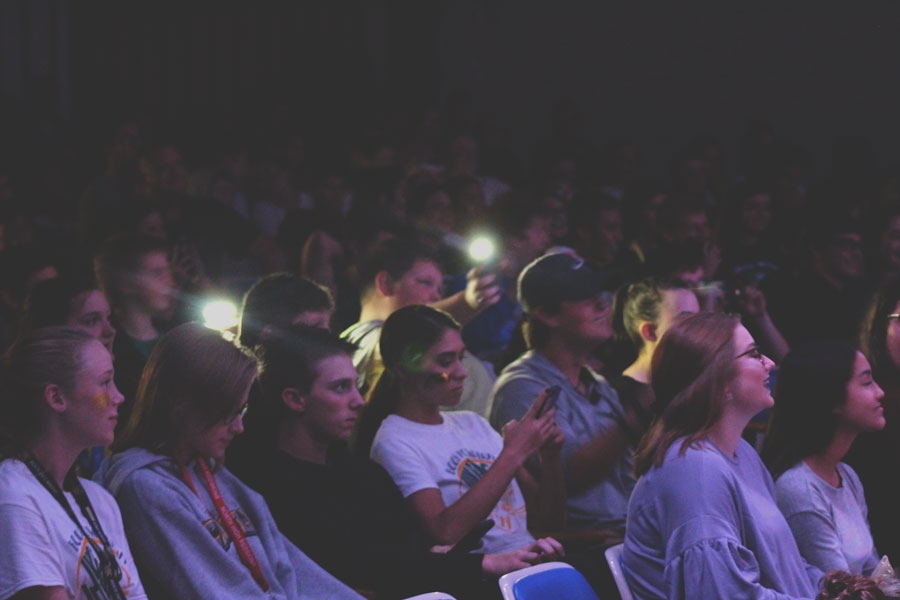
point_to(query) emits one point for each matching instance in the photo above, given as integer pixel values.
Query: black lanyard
(110, 573)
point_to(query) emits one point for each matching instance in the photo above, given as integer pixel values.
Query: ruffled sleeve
(717, 568)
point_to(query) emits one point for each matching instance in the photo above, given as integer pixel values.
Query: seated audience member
(344, 511)
(400, 273)
(72, 302)
(827, 300)
(877, 453)
(597, 231)
(702, 521)
(280, 300)
(642, 311)
(198, 532)
(453, 469)
(568, 319)
(522, 226)
(134, 274)
(824, 397)
(62, 535)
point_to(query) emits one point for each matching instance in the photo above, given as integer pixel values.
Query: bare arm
(448, 524)
(480, 292)
(56, 592)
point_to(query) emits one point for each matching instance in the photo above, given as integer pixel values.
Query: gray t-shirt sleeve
(818, 540)
(513, 396)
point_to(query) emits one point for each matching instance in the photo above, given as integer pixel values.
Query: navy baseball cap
(555, 278)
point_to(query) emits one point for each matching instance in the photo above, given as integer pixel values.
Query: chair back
(614, 560)
(547, 581)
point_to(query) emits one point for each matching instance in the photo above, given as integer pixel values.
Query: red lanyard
(240, 542)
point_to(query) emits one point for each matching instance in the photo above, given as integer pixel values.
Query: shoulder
(16, 482)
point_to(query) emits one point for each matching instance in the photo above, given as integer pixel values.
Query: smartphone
(472, 540)
(552, 396)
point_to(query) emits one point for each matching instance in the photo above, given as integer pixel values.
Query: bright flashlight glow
(220, 315)
(481, 249)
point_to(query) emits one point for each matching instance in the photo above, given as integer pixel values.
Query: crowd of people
(703, 367)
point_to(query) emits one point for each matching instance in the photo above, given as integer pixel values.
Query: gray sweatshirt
(181, 546)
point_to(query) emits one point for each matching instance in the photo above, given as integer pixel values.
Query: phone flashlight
(221, 315)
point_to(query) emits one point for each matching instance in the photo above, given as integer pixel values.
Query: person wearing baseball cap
(567, 318)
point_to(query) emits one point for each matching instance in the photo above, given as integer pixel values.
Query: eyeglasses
(753, 353)
(238, 414)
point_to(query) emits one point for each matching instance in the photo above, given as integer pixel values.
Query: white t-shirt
(43, 547)
(452, 457)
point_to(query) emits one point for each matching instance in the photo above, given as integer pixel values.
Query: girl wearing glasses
(62, 535)
(198, 532)
(702, 521)
(825, 397)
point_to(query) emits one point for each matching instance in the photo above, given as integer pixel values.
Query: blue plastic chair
(547, 581)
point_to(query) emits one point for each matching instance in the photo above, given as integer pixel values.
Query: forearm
(596, 460)
(457, 307)
(770, 339)
(451, 523)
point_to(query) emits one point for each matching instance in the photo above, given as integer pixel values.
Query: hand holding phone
(552, 396)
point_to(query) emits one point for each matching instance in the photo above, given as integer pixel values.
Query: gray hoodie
(183, 550)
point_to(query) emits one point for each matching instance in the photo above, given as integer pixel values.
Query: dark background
(658, 72)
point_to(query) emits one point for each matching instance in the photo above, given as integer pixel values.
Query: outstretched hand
(541, 550)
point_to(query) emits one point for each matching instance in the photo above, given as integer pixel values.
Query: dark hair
(812, 382)
(45, 356)
(395, 256)
(691, 367)
(289, 359)
(193, 372)
(840, 585)
(639, 301)
(53, 301)
(119, 257)
(873, 333)
(513, 212)
(275, 300)
(406, 337)
(535, 332)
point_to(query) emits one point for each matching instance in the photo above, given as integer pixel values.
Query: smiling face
(92, 315)
(331, 407)
(93, 402)
(585, 321)
(862, 411)
(749, 387)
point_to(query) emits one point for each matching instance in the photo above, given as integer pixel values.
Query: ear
(648, 331)
(544, 317)
(55, 399)
(294, 400)
(384, 283)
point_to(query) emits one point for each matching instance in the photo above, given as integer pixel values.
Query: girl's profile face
(442, 371)
(862, 410)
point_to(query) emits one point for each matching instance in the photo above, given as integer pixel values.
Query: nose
(237, 426)
(768, 363)
(879, 393)
(108, 331)
(357, 402)
(435, 295)
(117, 396)
(460, 371)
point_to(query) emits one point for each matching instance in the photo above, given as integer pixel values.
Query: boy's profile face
(152, 283)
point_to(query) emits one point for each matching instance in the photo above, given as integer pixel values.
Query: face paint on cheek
(437, 378)
(102, 400)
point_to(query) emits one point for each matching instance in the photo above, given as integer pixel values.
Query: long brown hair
(192, 372)
(690, 370)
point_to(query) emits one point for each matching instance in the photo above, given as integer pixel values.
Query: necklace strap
(245, 552)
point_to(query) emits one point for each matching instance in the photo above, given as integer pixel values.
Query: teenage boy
(568, 318)
(345, 512)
